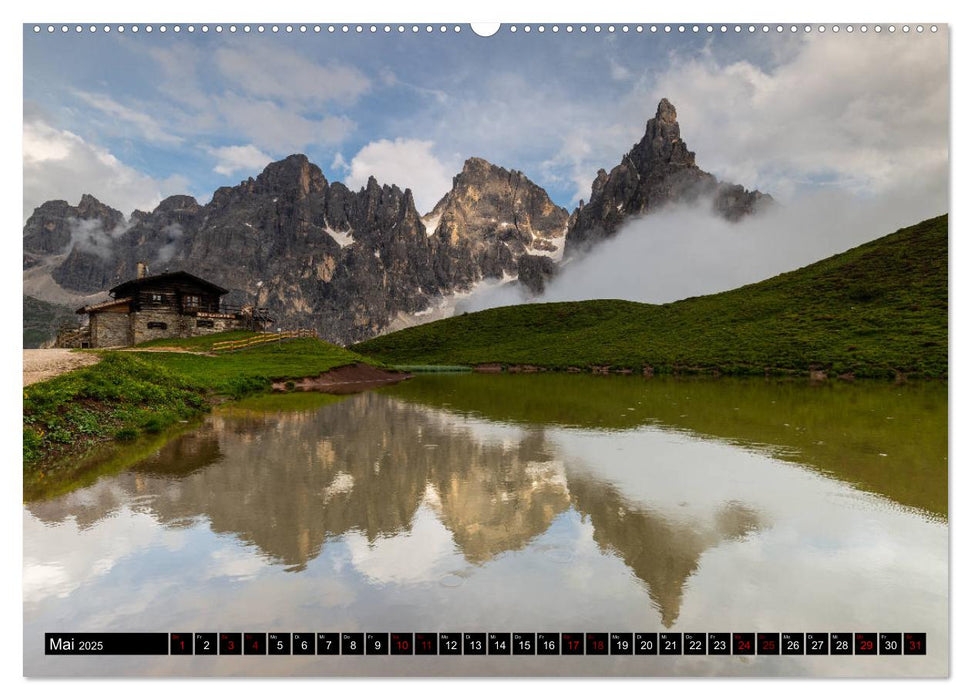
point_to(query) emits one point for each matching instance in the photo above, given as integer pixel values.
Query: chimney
(142, 270)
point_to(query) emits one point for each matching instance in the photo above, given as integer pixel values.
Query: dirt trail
(45, 364)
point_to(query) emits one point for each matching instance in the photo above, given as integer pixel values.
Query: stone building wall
(175, 325)
(218, 325)
(110, 329)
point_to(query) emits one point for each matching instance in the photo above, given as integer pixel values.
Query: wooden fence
(261, 339)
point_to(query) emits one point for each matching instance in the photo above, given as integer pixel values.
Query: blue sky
(132, 117)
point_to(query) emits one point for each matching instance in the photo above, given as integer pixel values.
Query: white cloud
(276, 100)
(64, 556)
(864, 112)
(276, 128)
(60, 164)
(173, 235)
(618, 72)
(147, 126)
(232, 159)
(339, 164)
(91, 236)
(406, 163)
(270, 72)
(582, 151)
(560, 145)
(681, 252)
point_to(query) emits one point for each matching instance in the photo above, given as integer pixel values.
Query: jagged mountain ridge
(315, 253)
(503, 221)
(48, 231)
(498, 215)
(352, 264)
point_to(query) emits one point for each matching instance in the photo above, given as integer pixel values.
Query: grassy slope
(235, 373)
(130, 393)
(202, 343)
(42, 319)
(872, 310)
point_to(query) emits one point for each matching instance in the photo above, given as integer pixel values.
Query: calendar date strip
(486, 643)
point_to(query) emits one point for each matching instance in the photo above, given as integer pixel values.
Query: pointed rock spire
(659, 170)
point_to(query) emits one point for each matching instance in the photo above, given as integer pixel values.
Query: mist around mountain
(878, 310)
(355, 264)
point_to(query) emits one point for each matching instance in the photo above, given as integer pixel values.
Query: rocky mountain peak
(666, 113)
(294, 174)
(496, 216)
(89, 203)
(476, 165)
(89, 207)
(662, 138)
(659, 170)
(50, 227)
(352, 262)
(174, 203)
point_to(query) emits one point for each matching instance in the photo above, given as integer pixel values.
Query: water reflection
(661, 552)
(887, 439)
(424, 507)
(287, 481)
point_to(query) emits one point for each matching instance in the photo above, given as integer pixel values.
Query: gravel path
(44, 364)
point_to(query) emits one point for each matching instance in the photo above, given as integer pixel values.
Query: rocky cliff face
(534, 272)
(55, 226)
(315, 253)
(658, 170)
(350, 263)
(491, 218)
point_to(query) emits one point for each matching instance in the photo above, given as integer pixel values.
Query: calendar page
(526, 349)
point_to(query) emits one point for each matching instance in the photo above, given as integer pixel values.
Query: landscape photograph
(359, 334)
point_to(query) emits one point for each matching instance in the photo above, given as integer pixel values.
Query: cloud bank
(682, 252)
(788, 114)
(59, 164)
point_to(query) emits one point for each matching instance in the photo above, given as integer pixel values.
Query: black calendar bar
(106, 643)
(375, 644)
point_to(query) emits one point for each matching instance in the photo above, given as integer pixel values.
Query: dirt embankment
(343, 380)
(46, 364)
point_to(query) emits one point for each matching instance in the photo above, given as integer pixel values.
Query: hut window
(204, 324)
(192, 300)
(158, 324)
(156, 298)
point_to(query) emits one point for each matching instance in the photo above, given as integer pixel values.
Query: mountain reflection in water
(287, 481)
(565, 502)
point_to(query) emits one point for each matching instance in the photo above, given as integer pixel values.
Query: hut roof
(135, 285)
(103, 305)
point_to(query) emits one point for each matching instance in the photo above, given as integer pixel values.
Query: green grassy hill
(42, 319)
(875, 310)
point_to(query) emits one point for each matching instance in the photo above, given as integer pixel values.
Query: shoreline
(122, 395)
(82, 458)
(102, 429)
(813, 375)
(342, 380)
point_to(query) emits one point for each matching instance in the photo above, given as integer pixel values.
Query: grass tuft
(129, 394)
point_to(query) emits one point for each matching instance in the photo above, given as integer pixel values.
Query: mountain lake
(512, 503)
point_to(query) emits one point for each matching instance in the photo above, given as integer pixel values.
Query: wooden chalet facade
(169, 305)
